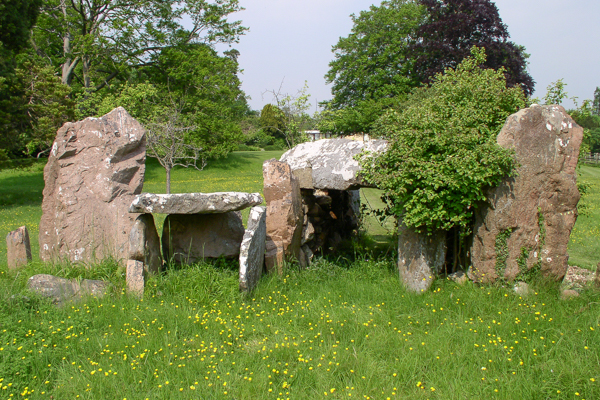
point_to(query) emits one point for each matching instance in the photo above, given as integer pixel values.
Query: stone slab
(194, 203)
(420, 257)
(330, 163)
(252, 249)
(190, 238)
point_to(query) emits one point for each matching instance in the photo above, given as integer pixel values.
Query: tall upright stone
(531, 215)
(284, 214)
(18, 248)
(95, 168)
(420, 257)
(252, 249)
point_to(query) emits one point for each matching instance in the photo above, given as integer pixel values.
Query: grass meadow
(343, 328)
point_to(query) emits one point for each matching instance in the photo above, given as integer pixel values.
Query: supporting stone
(144, 244)
(136, 277)
(18, 248)
(187, 239)
(284, 214)
(420, 257)
(252, 249)
(532, 214)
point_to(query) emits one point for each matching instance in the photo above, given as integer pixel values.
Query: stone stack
(198, 226)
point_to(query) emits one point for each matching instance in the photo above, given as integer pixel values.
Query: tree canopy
(442, 151)
(403, 44)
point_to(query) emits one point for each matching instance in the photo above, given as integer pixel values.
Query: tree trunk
(168, 180)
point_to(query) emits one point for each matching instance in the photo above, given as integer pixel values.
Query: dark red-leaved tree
(453, 27)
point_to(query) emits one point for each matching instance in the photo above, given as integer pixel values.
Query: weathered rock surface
(61, 290)
(420, 258)
(284, 213)
(531, 215)
(18, 248)
(194, 203)
(568, 294)
(135, 277)
(144, 244)
(190, 238)
(329, 163)
(95, 168)
(252, 249)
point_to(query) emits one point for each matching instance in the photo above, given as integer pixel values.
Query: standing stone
(144, 244)
(330, 163)
(284, 214)
(531, 215)
(190, 238)
(420, 257)
(95, 168)
(18, 248)
(252, 250)
(136, 277)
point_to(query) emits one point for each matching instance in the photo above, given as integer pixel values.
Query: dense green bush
(443, 153)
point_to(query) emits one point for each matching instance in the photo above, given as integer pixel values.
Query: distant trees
(84, 57)
(403, 44)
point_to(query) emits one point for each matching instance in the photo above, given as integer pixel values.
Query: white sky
(291, 40)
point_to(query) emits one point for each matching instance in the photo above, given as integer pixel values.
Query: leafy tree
(272, 120)
(292, 114)
(190, 96)
(372, 62)
(17, 17)
(556, 93)
(442, 151)
(96, 41)
(452, 27)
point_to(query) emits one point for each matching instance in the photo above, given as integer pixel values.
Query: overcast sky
(291, 40)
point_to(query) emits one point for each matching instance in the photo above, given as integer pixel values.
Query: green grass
(584, 246)
(337, 330)
(343, 328)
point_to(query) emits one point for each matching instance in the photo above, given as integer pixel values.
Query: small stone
(18, 248)
(144, 244)
(568, 293)
(597, 278)
(62, 290)
(522, 289)
(194, 203)
(252, 249)
(135, 277)
(459, 277)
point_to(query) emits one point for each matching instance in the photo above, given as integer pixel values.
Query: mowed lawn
(344, 328)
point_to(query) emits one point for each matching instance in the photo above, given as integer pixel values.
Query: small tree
(168, 141)
(442, 151)
(291, 114)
